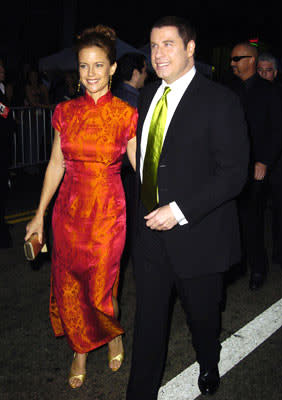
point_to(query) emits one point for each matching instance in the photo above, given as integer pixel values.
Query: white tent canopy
(65, 60)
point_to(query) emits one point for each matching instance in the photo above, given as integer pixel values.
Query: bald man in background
(263, 113)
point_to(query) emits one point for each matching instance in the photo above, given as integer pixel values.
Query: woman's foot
(116, 353)
(78, 370)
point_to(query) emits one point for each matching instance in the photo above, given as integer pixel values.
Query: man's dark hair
(184, 27)
(270, 58)
(127, 63)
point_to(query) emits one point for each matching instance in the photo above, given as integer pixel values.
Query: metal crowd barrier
(32, 137)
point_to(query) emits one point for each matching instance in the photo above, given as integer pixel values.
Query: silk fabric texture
(89, 219)
(149, 189)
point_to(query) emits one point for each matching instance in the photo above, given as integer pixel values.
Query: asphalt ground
(34, 364)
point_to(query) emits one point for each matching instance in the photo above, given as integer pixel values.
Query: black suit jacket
(276, 169)
(262, 105)
(203, 167)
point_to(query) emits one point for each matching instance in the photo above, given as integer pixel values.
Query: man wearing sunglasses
(263, 113)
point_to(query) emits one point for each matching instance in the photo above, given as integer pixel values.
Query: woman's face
(95, 71)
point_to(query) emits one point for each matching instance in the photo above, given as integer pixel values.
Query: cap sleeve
(57, 118)
(131, 133)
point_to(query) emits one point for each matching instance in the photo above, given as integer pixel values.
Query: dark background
(31, 29)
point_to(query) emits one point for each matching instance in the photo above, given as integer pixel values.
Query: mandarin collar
(106, 98)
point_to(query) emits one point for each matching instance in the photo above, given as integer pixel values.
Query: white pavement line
(234, 349)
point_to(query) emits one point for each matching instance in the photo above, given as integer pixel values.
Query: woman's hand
(35, 226)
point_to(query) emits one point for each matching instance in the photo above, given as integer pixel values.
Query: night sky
(32, 29)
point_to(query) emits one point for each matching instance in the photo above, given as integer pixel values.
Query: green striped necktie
(149, 188)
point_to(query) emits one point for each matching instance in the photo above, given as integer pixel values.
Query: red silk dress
(89, 219)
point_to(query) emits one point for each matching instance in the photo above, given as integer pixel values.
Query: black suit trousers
(276, 199)
(155, 284)
(252, 203)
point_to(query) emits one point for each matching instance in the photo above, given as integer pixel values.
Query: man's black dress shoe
(256, 281)
(208, 381)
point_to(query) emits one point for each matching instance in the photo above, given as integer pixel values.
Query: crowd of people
(202, 160)
(34, 88)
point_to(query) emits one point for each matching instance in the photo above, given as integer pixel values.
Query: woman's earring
(110, 82)
(78, 87)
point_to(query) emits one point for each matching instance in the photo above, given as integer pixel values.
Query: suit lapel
(182, 110)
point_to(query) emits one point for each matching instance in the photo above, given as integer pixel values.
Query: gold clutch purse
(32, 247)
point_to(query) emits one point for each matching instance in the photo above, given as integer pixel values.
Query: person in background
(36, 93)
(92, 133)
(6, 130)
(64, 87)
(267, 68)
(131, 76)
(5, 88)
(263, 114)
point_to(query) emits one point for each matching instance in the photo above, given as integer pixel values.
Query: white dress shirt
(173, 98)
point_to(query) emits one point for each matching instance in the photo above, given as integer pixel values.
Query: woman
(36, 94)
(91, 134)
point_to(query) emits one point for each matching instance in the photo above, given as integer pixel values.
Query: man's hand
(161, 219)
(260, 171)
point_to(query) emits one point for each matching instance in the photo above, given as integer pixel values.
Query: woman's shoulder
(122, 105)
(68, 105)
(64, 112)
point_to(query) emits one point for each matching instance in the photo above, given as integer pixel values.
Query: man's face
(170, 58)
(243, 66)
(266, 70)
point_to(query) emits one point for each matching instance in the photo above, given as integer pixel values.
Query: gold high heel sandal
(119, 357)
(80, 377)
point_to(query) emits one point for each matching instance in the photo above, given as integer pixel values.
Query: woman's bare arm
(53, 176)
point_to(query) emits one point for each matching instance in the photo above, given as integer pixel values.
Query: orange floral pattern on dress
(89, 219)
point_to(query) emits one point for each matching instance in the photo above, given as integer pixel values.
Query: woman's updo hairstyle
(101, 36)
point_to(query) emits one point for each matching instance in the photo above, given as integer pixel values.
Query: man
(191, 236)
(262, 108)
(267, 69)
(131, 72)
(6, 126)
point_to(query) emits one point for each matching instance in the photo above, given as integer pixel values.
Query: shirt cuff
(178, 215)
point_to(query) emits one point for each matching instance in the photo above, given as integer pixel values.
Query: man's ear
(135, 76)
(252, 60)
(135, 73)
(191, 45)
